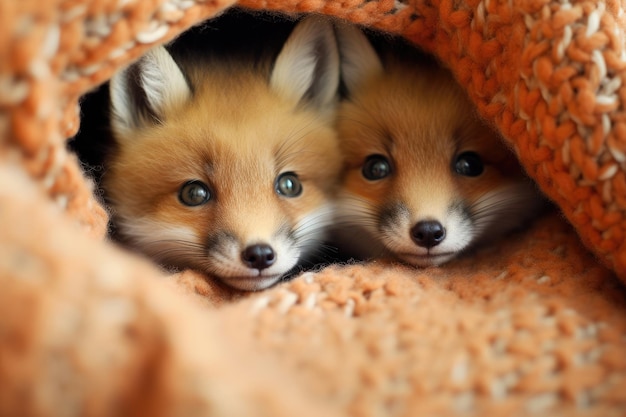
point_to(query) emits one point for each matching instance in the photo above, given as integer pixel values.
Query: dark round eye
(376, 167)
(288, 185)
(194, 193)
(468, 164)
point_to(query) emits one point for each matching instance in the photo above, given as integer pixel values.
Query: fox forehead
(420, 121)
(237, 121)
(235, 137)
(406, 111)
(420, 118)
(419, 140)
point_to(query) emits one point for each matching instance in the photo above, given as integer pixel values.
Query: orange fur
(414, 114)
(236, 134)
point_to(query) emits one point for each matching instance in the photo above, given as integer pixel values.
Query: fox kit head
(424, 176)
(223, 168)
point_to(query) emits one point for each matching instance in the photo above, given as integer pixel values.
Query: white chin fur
(354, 212)
(459, 235)
(180, 246)
(251, 284)
(424, 261)
(497, 212)
(308, 232)
(226, 264)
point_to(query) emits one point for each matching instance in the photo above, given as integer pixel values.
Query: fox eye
(468, 164)
(376, 167)
(288, 185)
(194, 193)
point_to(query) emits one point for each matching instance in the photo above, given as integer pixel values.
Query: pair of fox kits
(238, 167)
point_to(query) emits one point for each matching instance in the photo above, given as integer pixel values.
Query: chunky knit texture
(533, 325)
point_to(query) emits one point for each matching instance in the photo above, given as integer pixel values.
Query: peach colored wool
(533, 326)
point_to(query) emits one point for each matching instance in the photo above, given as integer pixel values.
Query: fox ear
(359, 60)
(147, 90)
(307, 67)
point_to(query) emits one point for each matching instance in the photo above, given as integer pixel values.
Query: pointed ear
(307, 67)
(147, 90)
(359, 60)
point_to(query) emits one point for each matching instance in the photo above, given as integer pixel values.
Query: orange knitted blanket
(535, 325)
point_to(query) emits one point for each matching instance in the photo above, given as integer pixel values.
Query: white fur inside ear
(308, 65)
(359, 60)
(123, 112)
(160, 79)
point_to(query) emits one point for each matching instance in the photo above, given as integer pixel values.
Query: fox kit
(425, 178)
(225, 165)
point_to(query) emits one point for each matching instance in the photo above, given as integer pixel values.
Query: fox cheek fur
(222, 167)
(424, 178)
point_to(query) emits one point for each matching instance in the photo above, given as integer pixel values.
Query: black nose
(428, 233)
(259, 256)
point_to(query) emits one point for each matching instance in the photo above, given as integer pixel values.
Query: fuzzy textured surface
(535, 325)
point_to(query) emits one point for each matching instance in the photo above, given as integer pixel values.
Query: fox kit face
(424, 176)
(222, 170)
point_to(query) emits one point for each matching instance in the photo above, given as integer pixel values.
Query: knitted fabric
(535, 324)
